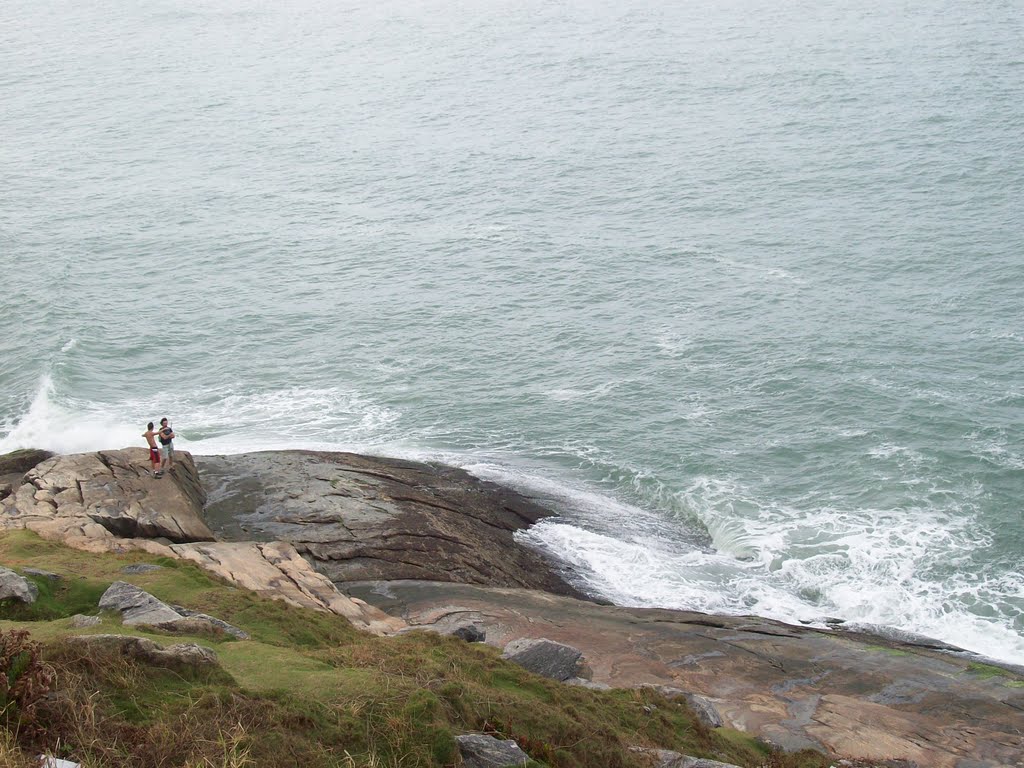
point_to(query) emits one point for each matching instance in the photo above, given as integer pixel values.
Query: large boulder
(97, 500)
(547, 658)
(480, 751)
(136, 606)
(17, 587)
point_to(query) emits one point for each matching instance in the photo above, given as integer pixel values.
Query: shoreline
(394, 546)
(234, 488)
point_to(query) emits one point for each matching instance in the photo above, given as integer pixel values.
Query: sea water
(736, 286)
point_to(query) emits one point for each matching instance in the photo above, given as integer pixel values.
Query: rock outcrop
(101, 498)
(297, 525)
(357, 518)
(109, 502)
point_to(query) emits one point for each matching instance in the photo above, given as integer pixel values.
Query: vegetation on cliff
(307, 689)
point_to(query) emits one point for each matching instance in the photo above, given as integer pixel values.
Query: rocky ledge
(396, 545)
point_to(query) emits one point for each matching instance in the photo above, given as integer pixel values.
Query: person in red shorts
(154, 452)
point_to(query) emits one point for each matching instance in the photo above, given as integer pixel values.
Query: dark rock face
(21, 461)
(547, 658)
(360, 518)
(471, 634)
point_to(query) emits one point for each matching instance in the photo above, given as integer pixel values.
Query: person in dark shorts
(154, 452)
(166, 436)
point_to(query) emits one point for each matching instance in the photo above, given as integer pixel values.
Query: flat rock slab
(358, 517)
(276, 570)
(856, 695)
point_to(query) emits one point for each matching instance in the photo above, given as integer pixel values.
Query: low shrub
(24, 682)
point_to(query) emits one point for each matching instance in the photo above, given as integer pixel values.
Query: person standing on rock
(166, 446)
(154, 453)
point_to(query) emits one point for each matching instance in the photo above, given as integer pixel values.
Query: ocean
(736, 286)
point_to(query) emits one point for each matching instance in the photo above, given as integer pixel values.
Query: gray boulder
(17, 587)
(210, 621)
(547, 658)
(141, 568)
(41, 573)
(143, 649)
(479, 751)
(667, 759)
(136, 606)
(6, 489)
(702, 707)
(79, 621)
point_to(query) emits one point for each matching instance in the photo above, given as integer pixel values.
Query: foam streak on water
(737, 287)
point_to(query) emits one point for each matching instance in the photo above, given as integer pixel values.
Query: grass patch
(989, 671)
(887, 649)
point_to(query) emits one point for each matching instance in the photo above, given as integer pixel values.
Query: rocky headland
(395, 545)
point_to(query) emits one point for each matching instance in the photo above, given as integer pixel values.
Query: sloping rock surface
(276, 570)
(358, 517)
(857, 695)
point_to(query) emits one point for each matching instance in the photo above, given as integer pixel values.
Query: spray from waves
(206, 422)
(62, 428)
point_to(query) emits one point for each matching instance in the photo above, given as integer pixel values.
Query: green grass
(308, 689)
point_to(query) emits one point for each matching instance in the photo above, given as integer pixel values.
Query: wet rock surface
(358, 517)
